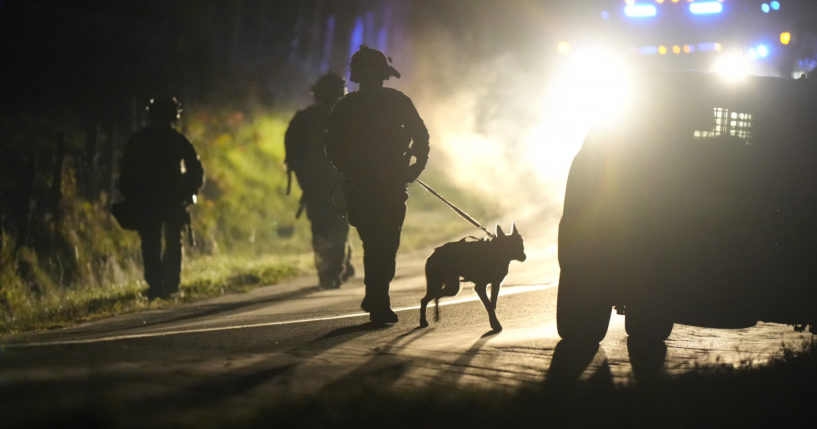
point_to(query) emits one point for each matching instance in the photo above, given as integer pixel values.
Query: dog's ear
(499, 232)
(514, 231)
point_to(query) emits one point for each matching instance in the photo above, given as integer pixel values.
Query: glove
(414, 171)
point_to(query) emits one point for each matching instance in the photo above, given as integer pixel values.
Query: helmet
(370, 63)
(329, 87)
(164, 109)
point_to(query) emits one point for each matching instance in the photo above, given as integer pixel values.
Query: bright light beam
(732, 68)
(752, 54)
(706, 8)
(590, 86)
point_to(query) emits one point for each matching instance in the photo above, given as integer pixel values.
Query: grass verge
(80, 265)
(203, 277)
(428, 223)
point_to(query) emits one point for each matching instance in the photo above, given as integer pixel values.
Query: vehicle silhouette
(700, 208)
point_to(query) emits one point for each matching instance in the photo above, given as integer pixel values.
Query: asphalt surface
(228, 355)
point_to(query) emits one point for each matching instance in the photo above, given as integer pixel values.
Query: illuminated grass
(202, 278)
(211, 276)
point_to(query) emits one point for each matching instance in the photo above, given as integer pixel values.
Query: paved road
(220, 355)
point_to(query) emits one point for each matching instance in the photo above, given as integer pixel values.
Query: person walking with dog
(160, 174)
(379, 143)
(305, 140)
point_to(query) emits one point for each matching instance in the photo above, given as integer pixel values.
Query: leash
(465, 215)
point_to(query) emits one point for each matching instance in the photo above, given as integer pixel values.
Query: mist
(489, 90)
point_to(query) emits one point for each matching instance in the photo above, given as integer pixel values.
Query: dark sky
(96, 53)
(91, 53)
(92, 56)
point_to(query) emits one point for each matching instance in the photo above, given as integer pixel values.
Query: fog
(495, 101)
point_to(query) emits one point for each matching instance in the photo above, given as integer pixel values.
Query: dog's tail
(437, 309)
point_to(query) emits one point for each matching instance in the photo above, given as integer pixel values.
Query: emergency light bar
(706, 8)
(640, 10)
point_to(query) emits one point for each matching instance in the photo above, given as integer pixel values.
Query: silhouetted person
(305, 142)
(374, 133)
(160, 174)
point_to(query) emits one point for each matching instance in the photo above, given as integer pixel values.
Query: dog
(481, 262)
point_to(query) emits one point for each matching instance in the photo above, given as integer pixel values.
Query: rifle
(191, 236)
(301, 204)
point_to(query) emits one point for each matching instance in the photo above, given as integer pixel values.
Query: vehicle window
(728, 123)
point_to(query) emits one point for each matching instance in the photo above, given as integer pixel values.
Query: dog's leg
(434, 286)
(450, 287)
(423, 304)
(495, 293)
(492, 312)
(480, 288)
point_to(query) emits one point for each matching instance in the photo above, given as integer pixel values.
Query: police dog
(481, 262)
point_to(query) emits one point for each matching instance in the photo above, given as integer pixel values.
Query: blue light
(605, 15)
(706, 8)
(765, 7)
(762, 51)
(648, 50)
(357, 37)
(640, 10)
(775, 5)
(752, 54)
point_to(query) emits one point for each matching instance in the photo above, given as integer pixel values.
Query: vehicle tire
(647, 326)
(581, 312)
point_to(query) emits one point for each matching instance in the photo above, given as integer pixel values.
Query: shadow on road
(186, 313)
(456, 370)
(569, 362)
(167, 392)
(647, 360)
(361, 328)
(384, 368)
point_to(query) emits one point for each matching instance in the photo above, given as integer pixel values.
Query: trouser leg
(379, 255)
(379, 226)
(329, 236)
(151, 238)
(172, 258)
(348, 268)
